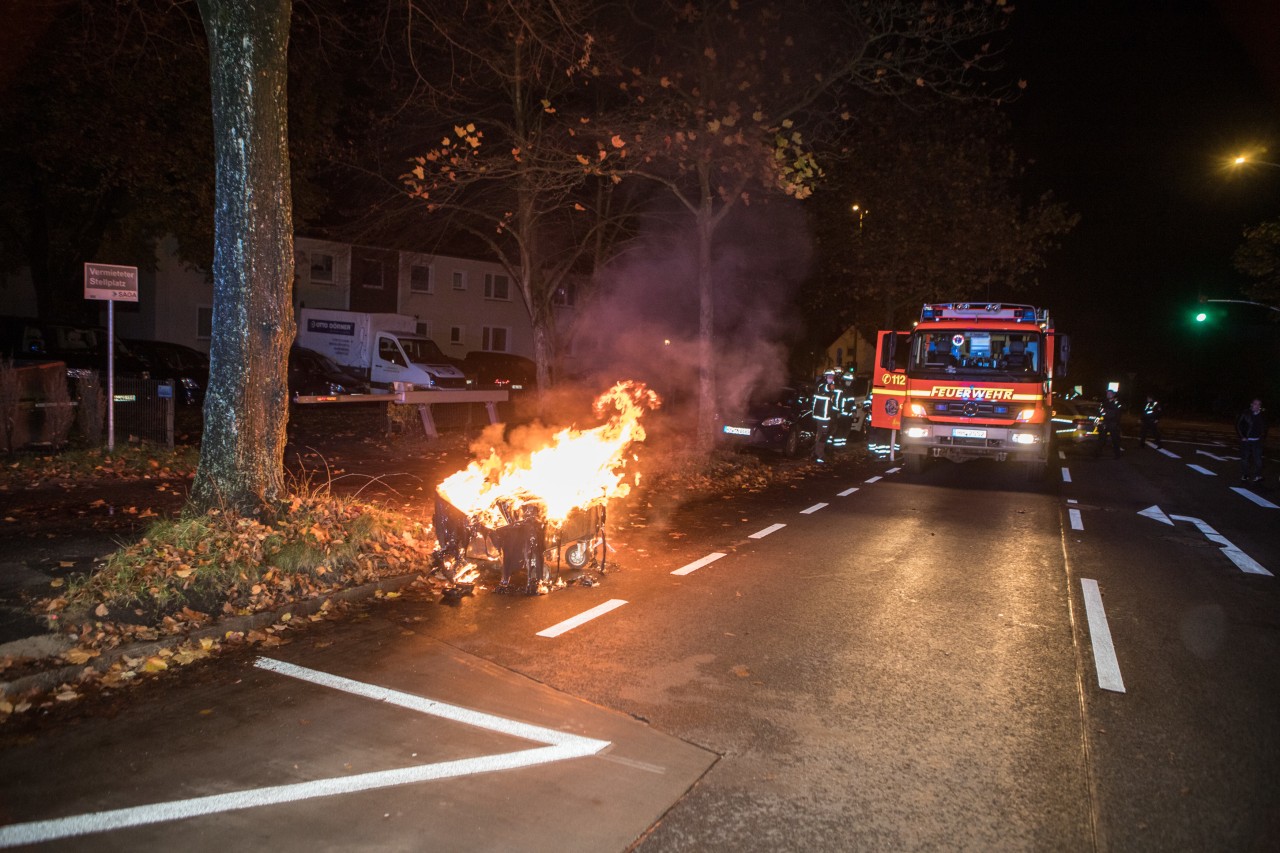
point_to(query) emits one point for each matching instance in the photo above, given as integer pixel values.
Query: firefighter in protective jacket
(825, 408)
(1151, 413)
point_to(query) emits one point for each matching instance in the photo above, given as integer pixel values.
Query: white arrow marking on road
(1258, 499)
(560, 746)
(772, 528)
(1242, 560)
(1168, 453)
(582, 618)
(1201, 470)
(811, 510)
(1154, 512)
(1104, 651)
(697, 564)
(1217, 457)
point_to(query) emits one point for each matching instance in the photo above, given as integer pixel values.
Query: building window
(422, 330)
(322, 267)
(459, 280)
(455, 335)
(497, 287)
(420, 278)
(493, 339)
(204, 322)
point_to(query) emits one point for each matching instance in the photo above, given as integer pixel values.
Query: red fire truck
(970, 381)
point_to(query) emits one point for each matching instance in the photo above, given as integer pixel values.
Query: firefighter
(845, 407)
(824, 412)
(1109, 424)
(1151, 413)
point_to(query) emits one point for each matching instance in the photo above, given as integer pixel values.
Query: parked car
(313, 374)
(503, 371)
(1075, 420)
(81, 348)
(780, 420)
(186, 368)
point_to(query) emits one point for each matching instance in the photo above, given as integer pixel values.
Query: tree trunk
(246, 408)
(706, 323)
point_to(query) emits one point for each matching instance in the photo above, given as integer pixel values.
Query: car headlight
(774, 422)
(1025, 438)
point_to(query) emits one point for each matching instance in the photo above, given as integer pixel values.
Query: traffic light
(1201, 317)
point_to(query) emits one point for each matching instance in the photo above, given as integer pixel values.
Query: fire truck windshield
(976, 352)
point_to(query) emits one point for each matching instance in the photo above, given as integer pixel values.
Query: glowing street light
(1250, 160)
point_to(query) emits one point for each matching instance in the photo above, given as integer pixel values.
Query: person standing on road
(824, 412)
(1151, 423)
(1251, 427)
(1109, 424)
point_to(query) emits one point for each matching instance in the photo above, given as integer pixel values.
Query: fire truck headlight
(918, 432)
(1025, 438)
(1026, 414)
(916, 410)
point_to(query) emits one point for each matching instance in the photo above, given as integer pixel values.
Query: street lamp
(1249, 159)
(860, 212)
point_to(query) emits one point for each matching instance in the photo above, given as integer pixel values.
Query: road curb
(49, 679)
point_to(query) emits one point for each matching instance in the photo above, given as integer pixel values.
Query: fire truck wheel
(915, 463)
(576, 555)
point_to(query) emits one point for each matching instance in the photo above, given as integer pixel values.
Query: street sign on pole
(114, 284)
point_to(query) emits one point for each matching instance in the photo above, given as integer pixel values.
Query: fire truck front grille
(968, 408)
(970, 442)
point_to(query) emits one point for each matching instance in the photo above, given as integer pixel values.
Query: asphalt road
(873, 662)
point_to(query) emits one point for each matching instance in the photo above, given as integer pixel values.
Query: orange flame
(576, 469)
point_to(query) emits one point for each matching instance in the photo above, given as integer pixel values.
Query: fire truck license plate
(733, 430)
(960, 432)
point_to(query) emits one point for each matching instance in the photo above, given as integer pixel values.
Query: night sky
(1130, 111)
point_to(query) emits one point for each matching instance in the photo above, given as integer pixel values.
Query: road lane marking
(875, 479)
(1062, 455)
(1072, 501)
(697, 564)
(1217, 457)
(559, 746)
(582, 618)
(848, 492)
(1168, 453)
(1242, 560)
(1066, 475)
(1258, 499)
(1077, 523)
(811, 510)
(1205, 471)
(893, 470)
(1104, 651)
(772, 528)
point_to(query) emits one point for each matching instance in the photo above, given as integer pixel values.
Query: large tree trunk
(246, 409)
(705, 228)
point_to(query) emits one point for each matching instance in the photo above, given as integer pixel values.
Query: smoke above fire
(643, 317)
(556, 470)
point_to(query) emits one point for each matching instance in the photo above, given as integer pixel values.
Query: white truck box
(382, 347)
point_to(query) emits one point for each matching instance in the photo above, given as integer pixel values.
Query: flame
(576, 469)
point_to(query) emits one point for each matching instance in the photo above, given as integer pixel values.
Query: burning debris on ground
(538, 498)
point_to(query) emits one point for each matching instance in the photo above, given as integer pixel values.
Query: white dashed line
(697, 564)
(1062, 455)
(772, 528)
(848, 492)
(1066, 475)
(1072, 501)
(1077, 523)
(893, 470)
(811, 510)
(875, 479)
(581, 618)
(1258, 499)
(1202, 470)
(1168, 453)
(1104, 652)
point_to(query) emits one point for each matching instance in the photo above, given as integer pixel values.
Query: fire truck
(970, 381)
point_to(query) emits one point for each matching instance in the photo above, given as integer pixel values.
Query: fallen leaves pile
(128, 462)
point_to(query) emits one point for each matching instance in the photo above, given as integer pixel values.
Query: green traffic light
(1201, 317)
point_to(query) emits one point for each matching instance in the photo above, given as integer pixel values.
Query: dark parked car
(313, 374)
(503, 371)
(780, 420)
(81, 348)
(186, 368)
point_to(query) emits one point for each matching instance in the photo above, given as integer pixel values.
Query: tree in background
(1259, 258)
(246, 407)
(941, 217)
(733, 102)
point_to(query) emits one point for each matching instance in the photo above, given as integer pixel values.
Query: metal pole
(111, 375)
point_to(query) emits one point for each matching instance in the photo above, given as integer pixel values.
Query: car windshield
(423, 351)
(977, 353)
